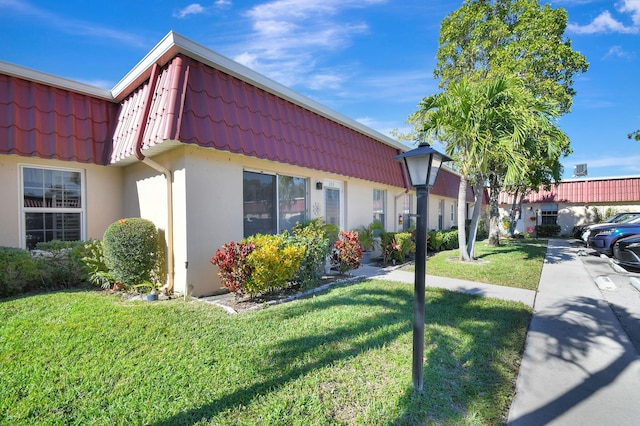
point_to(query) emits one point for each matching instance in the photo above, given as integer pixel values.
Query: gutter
(153, 80)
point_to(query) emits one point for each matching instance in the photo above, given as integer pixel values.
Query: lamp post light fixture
(423, 164)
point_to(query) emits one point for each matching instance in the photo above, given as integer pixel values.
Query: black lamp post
(423, 164)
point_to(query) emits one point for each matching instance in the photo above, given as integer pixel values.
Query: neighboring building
(572, 202)
(207, 149)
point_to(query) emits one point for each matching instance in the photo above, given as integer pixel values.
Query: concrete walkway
(488, 290)
(579, 366)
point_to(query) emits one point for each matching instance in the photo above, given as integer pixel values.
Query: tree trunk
(475, 216)
(513, 216)
(494, 212)
(462, 217)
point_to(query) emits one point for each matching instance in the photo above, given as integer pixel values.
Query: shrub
(442, 240)
(274, 262)
(19, 272)
(97, 271)
(313, 237)
(396, 246)
(233, 268)
(130, 250)
(347, 252)
(547, 230)
(61, 264)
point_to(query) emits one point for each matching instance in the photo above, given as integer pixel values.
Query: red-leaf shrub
(347, 252)
(233, 268)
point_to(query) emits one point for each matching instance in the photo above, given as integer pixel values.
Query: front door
(333, 202)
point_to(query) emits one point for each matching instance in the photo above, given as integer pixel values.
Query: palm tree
(487, 127)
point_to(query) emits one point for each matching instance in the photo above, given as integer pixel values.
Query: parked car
(624, 218)
(603, 239)
(626, 251)
(578, 230)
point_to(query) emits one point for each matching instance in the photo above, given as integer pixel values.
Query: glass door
(333, 202)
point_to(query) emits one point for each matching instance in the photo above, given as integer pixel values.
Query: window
(52, 205)
(272, 203)
(549, 214)
(453, 213)
(379, 197)
(441, 214)
(408, 220)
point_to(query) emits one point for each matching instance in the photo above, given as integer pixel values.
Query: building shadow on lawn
(293, 358)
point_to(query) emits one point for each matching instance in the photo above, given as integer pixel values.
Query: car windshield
(631, 219)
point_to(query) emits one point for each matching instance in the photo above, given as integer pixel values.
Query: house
(573, 202)
(207, 149)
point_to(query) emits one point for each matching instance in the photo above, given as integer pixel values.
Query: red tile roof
(600, 190)
(194, 103)
(48, 122)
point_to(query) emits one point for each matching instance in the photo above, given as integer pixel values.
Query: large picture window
(272, 203)
(52, 205)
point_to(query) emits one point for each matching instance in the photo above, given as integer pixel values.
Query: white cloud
(606, 23)
(71, 26)
(192, 9)
(198, 9)
(289, 38)
(632, 7)
(603, 23)
(618, 52)
(326, 81)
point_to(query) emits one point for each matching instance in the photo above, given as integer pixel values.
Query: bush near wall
(547, 231)
(131, 249)
(396, 246)
(19, 272)
(53, 265)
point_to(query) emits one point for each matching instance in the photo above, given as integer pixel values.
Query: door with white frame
(334, 203)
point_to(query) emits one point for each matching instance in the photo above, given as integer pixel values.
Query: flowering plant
(347, 252)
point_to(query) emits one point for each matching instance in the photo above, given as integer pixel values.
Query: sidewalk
(480, 289)
(579, 367)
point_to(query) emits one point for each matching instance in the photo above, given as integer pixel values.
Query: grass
(516, 263)
(342, 357)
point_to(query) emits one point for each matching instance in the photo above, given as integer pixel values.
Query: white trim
(22, 209)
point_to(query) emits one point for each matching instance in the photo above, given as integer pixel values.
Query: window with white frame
(272, 203)
(549, 214)
(408, 221)
(453, 213)
(52, 205)
(379, 208)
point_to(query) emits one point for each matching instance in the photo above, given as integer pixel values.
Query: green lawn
(342, 357)
(516, 263)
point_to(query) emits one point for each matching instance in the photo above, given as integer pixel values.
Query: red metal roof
(48, 122)
(586, 191)
(197, 104)
(223, 112)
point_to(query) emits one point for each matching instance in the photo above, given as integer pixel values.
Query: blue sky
(371, 60)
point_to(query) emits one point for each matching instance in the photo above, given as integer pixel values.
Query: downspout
(153, 80)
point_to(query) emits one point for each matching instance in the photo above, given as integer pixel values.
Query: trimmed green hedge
(131, 247)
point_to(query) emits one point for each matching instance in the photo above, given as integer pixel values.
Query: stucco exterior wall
(570, 215)
(103, 196)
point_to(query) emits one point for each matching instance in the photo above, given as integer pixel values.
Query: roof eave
(55, 81)
(174, 43)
